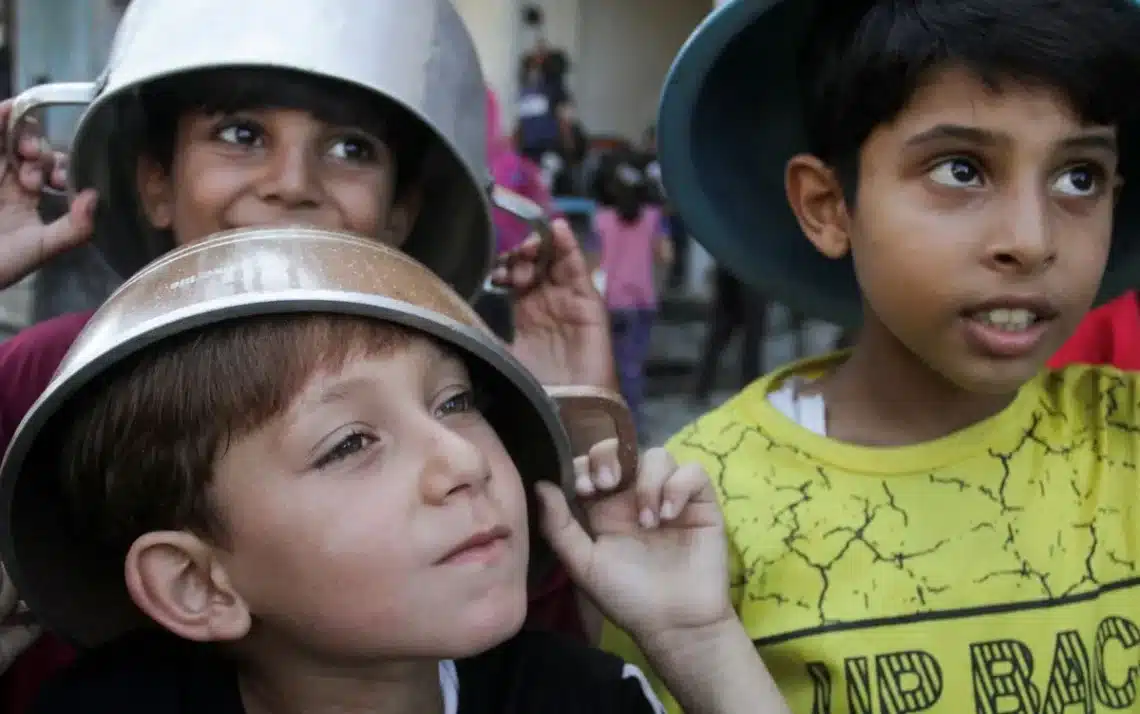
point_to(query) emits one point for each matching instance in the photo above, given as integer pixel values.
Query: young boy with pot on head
(932, 522)
(270, 496)
(237, 138)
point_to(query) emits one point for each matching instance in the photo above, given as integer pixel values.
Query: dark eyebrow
(971, 134)
(1100, 140)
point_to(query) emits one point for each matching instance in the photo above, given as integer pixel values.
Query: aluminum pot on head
(418, 56)
(241, 274)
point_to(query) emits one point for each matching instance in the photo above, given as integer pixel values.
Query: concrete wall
(624, 56)
(621, 51)
(64, 40)
(496, 26)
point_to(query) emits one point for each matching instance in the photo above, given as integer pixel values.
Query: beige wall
(494, 24)
(621, 50)
(624, 55)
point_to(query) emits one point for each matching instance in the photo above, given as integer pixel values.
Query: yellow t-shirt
(991, 571)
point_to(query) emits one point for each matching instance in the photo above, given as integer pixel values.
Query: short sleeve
(541, 671)
(1089, 344)
(637, 692)
(637, 670)
(27, 363)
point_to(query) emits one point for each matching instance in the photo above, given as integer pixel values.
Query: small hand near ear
(562, 328)
(657, 561)
(15, 634)
(25, 241)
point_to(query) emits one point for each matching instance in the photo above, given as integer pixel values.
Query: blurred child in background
(513, 171)
(633, 238)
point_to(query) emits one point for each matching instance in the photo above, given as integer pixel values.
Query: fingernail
(647, 518)
(606, 477)
(584, 486)
(667, 511)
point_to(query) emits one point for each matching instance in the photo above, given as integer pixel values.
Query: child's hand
(25, 241)
(657, 562)
(562, 328)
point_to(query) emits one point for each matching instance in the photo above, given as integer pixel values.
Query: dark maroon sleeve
(27, 363)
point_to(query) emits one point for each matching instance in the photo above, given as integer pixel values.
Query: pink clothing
(511, 170)
(628, 257)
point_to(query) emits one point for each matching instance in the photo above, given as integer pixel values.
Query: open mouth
(1007, 319)
(1007, 331)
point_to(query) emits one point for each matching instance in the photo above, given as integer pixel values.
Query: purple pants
(631, 330)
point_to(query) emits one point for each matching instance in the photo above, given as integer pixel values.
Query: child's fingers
(656, 468)
(29, 146)
(529, 248)
(583, 480)
(605, 468)
(31, 176)
(687, 483)
(563, 234)
(72, 229)
(566, 536)
(522, 272)
(500, 275)
(59, 171)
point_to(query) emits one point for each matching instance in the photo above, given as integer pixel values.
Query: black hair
(629, 196)
(626, 196)
(863, 60)
(234, 89)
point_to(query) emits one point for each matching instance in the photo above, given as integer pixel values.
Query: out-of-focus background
(592, 70)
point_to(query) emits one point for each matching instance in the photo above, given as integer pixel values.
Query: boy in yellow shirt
(930, 522)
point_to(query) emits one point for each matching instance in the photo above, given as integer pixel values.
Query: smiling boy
(931, 522)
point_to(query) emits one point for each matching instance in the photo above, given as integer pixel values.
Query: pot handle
(44, 95)
(529, 211)
(603, 414)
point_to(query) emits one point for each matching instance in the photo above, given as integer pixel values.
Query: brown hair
(139, 447)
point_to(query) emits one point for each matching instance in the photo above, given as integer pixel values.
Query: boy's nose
(291, 179)
(1025, 245)
(452, 464)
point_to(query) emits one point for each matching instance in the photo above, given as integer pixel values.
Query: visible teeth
(1013, 320)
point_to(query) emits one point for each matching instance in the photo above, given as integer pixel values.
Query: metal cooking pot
(417, 55)
(240, 274)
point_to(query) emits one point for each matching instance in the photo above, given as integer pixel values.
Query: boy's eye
(353, 149)
(461, 403)
(1079, 181)
(241, 133)
(956, 173)
(350, 445)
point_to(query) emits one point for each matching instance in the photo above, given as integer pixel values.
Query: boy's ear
(816, 197)
(405, 210)
(154, 187)
(174, 578)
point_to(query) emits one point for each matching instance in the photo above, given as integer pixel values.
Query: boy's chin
(475, 627)
(994, 378)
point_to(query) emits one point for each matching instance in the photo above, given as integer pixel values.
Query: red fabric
(555, 608)
(1108, 335)
(27, 363)
(22, 681)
